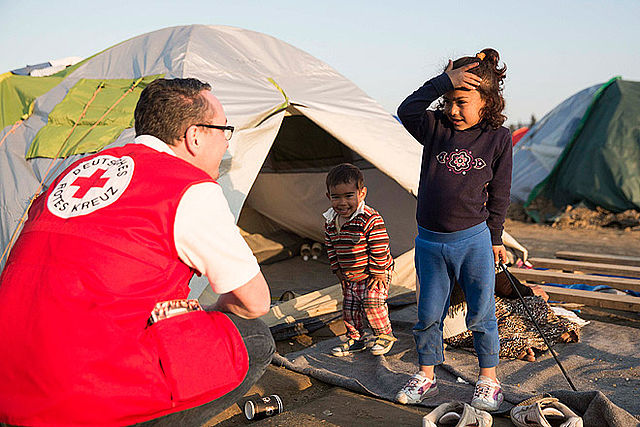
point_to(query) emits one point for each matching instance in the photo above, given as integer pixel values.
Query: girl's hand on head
(461, 78)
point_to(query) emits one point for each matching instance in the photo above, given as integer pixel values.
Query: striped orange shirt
(361, 246)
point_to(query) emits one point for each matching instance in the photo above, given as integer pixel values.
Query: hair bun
(490, 55)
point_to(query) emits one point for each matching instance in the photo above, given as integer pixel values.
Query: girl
(462, 202)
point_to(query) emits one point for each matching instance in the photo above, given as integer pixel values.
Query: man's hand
(377, 281)
(500, 254)
(461, 78)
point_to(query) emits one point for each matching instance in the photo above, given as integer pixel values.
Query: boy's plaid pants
(362, 305)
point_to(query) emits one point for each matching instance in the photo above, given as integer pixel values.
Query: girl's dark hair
(344, 174)
(492, 84)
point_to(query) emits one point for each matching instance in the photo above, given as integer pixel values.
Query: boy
(358, 248)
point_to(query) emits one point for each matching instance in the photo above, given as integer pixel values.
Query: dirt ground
(309, 402)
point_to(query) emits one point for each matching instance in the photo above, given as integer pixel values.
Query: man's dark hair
(167, 107)
(345, 173)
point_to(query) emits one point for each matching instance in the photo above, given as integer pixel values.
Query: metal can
(268, 406)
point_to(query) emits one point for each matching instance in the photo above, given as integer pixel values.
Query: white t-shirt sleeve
(208, 239)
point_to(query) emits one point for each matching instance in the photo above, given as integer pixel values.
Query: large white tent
(295, 117)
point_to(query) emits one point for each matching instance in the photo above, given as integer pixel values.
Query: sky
(552, 49)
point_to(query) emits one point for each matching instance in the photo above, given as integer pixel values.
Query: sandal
(383, 344)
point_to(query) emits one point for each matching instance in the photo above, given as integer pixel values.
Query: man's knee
(264, 347)
(257, 339)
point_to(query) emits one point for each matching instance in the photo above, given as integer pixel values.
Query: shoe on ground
(546, 412)
(348, 347)
(383, 344)
(457, 414)
(488, 394)
(417, 389)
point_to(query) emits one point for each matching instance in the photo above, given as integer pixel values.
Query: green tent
(592, 143)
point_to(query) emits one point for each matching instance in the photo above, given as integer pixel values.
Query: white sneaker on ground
(546, 412)
(488, 394)
(417, 389)
(457, 414)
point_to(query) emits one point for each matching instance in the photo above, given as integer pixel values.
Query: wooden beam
(549, 276)
(586, 267)
(593, 299)
(603, 258)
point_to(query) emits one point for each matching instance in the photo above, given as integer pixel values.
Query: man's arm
(208, 240)
(250, 300)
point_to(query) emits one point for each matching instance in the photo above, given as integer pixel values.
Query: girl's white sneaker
(488, 394)
(417, 389)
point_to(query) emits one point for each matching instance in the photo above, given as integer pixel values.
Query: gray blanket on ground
(604, 367)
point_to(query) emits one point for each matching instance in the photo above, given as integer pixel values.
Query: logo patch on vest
(92, 185)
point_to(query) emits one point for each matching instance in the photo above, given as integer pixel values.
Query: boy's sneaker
(383, 344)
(349, 347)
(488, 395)
(457, 414)
(417, 389)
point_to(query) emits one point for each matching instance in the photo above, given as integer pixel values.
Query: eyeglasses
(228, 130)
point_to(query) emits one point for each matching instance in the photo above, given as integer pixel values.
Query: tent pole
(524, 304)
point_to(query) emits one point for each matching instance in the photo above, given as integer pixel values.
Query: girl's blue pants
(441, 258)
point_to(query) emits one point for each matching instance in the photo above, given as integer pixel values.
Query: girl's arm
(412, 110)
(499, 189)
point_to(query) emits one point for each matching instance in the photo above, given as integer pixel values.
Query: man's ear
(328, 196)
(191, 140)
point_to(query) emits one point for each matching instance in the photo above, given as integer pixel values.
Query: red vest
(95, 256)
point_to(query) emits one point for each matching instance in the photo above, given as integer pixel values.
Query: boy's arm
(378, 242)
(333, 259)
(412, 110)
(331, 252)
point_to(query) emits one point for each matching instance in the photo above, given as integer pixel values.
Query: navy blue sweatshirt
(466, 175)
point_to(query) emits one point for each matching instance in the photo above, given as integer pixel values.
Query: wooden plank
(549, 276)
(586, 267)
(593, 299)
(603, 258)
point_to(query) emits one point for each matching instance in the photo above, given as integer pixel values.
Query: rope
(13, 128)
(127, 92)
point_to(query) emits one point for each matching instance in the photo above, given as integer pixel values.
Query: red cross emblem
(87, 183)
